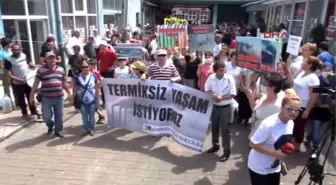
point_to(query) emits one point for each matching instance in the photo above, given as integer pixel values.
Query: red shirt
(107, 59)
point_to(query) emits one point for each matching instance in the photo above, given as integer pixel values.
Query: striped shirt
(167, 72)
(52, 81)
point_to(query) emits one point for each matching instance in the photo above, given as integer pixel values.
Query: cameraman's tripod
(313, 167)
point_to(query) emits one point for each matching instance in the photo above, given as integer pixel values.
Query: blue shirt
(327, 59)
(3, 55)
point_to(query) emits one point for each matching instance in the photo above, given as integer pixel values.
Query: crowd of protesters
(273, 104)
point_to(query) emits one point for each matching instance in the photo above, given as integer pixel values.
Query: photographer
(320, 113)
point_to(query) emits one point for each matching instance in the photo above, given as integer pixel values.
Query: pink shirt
(206, 71)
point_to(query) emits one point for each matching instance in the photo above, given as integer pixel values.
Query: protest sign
(258, 53)
(159, 108)
(174, 21)
(294, 44)
(172, 35)
(201, 37)
(132, 50)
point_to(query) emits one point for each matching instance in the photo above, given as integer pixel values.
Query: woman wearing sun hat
(137, 69)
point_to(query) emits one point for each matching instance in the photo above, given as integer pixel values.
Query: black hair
(324, 45)
(91, 38)
(76, 47)
(5, 42)
(218, 65)
(282, 26)
(274, 80)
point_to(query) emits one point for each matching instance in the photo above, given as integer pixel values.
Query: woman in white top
(303, 85)
(270, 142)
(268, 104)
(122, 71)
(307, 50)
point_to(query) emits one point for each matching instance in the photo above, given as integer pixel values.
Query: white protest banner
(159, 108)
(294, 44)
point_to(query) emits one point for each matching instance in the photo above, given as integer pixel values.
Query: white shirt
(122, 73)
(97, 41)
(221, 87)
(273, 134)
(73, 41)
(295, 67)
(217, 49)
(302, 84)
(235, 71)
(153, 45)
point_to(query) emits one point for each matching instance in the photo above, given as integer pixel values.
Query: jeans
(53, 108)
(315, 130)
(88, 116)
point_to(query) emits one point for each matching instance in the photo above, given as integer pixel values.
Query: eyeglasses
(293, 110)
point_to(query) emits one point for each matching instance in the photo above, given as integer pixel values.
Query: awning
(151, 4)
(253, 3)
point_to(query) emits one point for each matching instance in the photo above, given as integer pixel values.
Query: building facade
(299, 16)
(28, 22)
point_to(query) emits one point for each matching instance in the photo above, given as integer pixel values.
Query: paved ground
(119, 157)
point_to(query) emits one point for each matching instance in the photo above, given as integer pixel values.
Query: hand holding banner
(159, 108)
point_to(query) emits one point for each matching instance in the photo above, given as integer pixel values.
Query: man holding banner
(223, 88)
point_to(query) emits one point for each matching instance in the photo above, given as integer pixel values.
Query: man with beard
(18, 66)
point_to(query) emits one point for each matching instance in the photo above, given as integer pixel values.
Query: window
(79, 5)
(91, 6)
(66, 6)
(108, 4)
(37, 7)
(10, 7)
(118, 4)
(286, 14)
(92, 21)
(68, 23)
(80, 22)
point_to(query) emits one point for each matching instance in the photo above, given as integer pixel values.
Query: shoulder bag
(77, 100)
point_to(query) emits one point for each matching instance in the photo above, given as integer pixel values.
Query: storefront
(300, 16)
(27, 22)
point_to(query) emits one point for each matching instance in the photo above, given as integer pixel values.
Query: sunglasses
(293, 110)
(85, 66)
(161, 55)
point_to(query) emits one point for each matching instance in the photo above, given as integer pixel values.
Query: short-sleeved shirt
(107, 59)
(224, 86)
(52, 81)
(272, 134)
(3, 55)
(167, 72)
(302, 84)
(327, 58)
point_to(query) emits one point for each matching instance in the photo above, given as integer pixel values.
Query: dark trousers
(269, 179)
(299, 128)
(22, 91)
(244, 109)
(109, 74)
(220, 118)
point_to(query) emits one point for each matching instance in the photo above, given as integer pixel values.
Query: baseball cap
(139, 66)
(50, 54)
(161, 52)
(122, 58)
